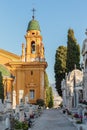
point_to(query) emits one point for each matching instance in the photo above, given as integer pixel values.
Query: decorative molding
(31, 85)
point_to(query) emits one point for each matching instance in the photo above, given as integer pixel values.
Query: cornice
(28, 64)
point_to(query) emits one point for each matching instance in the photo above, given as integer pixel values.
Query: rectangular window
(31, 72)
(32, 94)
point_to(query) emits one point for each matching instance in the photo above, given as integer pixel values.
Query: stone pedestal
(26, 99)
(19, 112)
(14, 99)
(7, 122)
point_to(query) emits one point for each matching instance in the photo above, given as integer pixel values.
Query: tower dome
(33, 25)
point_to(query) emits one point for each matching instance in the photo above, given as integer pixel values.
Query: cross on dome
(33, 10)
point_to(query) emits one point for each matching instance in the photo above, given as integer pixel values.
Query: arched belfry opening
(33, 48)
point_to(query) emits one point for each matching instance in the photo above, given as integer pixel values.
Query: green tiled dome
(4, 70)
(33, 25)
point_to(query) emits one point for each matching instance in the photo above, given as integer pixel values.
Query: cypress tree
(60, 67)
(73, 52)
(47, 89)
(49, 94)
(1, 87)
(50, 98)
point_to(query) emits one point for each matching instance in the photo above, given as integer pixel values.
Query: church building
(28, 70)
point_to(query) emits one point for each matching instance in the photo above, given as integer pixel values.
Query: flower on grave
(83, 102)
(80, 116)
(76, 115)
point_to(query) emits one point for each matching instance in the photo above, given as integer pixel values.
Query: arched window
(32, 47)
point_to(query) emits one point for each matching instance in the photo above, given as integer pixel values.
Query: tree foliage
(46, 81)
(60, 66)
(49, 94)
(1, 87)
(73, 51)
(50, 105)
(66, 58)
(40, 102)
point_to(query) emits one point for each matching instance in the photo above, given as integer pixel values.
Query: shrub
(18, 124)
(21, 125)
(40, 102)
(24, 125)
(78, 122)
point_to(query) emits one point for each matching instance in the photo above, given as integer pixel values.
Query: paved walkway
(53, 120)
(2, 125)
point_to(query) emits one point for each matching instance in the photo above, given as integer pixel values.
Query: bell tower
(34, 50)
(30, 70)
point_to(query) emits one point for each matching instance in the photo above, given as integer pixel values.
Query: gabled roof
(9, 53)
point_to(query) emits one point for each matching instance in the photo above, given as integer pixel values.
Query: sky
(55, 17)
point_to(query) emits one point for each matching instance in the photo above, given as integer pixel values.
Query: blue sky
(55, 18)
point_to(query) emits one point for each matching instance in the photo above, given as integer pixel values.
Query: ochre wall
(24, 80)
(29, 77)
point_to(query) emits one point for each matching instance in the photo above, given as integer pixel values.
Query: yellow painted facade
(29, 68)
